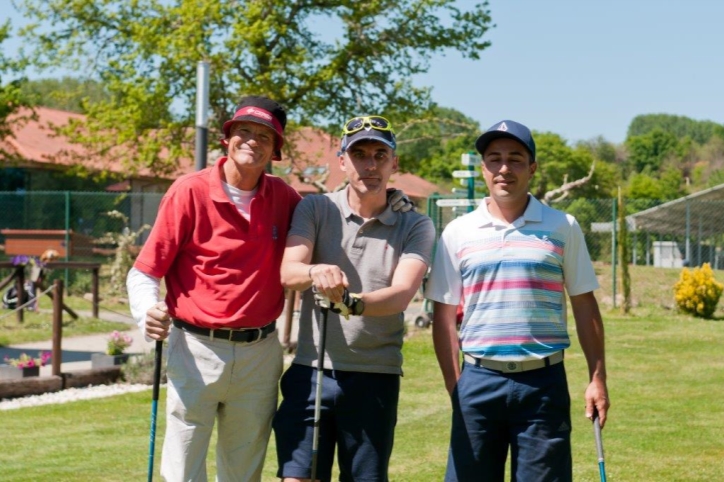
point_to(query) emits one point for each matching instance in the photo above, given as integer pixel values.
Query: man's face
(251, 144)
(369, 165)
(507, 169)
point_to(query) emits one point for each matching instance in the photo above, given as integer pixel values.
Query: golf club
(599, 445)
(318, 397)
(154, 406)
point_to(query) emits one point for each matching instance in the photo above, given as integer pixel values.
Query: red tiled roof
(35, 142)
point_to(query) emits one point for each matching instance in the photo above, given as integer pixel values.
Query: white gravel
(71, 395)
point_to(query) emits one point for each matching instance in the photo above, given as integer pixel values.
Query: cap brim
(486, 138)
(386, 137)
(248, 118)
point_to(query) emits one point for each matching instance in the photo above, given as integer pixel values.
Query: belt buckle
(512, 366)
(259, 332)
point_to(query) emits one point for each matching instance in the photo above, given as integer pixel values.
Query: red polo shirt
(221, 271)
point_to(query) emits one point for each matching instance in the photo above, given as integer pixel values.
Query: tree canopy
(12, 98)
(323, 60)
(678, 126)
(432, 144)
(67, 93)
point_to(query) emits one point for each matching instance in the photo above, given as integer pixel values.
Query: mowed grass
(666, 382)
(38, 325)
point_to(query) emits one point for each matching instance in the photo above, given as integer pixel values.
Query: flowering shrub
(697, 292)
(24, 260)
(118, 342)
(26, 361)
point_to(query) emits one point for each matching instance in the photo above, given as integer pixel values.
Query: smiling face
(369, 165)
(508, 169)
(250, 145)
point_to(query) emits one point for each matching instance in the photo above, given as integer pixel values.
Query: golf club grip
(599, 441)
(599, 446)
(317, 413)
(157, 368)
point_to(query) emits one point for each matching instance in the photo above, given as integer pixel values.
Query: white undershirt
(143, 289)
(240, 198)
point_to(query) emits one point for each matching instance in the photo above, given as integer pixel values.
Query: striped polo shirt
(512, 279)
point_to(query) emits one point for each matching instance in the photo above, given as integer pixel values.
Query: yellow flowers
(697, 292)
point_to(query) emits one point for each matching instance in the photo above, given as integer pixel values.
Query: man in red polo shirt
(218, 242)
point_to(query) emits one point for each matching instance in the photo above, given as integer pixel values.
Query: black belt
(245, 335)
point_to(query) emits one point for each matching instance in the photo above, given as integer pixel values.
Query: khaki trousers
(235, 384)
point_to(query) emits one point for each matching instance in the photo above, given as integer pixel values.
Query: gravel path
(71, 395)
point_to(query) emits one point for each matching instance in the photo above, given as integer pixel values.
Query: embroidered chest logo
(275, 233)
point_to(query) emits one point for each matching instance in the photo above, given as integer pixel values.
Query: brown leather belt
(515, 366)
(245, 335)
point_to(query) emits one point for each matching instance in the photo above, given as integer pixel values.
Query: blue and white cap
(507, 128)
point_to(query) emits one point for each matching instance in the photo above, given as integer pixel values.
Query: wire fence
(84, 214)
(661, 234)
(686, 232)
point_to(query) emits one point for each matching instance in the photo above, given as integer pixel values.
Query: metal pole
(688, 233)
(202, 113)
(57, 326)
(471, 185)
(614, 247)
(67, 236)
(154, 406)
(698, 245)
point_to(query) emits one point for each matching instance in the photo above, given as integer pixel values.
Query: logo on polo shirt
(275, 233)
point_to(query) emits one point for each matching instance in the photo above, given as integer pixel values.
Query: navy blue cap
(386, 137)
(510, 129)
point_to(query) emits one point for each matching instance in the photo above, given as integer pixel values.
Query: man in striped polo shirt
(511, 262)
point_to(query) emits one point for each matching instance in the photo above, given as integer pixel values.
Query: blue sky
(584, 68)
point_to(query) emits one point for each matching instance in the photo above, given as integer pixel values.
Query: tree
(68, 93)
(624, 256)
(442, 134)
(646, 186)
(12, 99)
(679, 126)
(648, 151)
(560, 164)
(145, 54)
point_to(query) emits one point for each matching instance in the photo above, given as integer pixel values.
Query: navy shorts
(358, 415)
(527, 411)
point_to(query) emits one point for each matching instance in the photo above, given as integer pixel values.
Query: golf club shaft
(599, 447)
(318, 396)
(154, 406)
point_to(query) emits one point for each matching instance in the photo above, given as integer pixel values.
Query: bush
(697, 292)
(140, 368)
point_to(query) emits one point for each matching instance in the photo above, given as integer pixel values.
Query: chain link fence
(80, 213)
(678, 233)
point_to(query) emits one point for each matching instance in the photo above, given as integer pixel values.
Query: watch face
(359, 307)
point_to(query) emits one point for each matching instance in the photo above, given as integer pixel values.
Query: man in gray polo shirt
(340, 243)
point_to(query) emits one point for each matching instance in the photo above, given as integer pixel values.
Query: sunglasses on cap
(376, 122)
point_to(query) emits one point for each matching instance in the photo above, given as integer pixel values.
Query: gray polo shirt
(368, 252)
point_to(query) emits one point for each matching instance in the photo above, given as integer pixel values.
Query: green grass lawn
(38, 325)
(666, 381)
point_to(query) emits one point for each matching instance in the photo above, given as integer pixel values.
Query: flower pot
(101, 360)
(9, 372)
